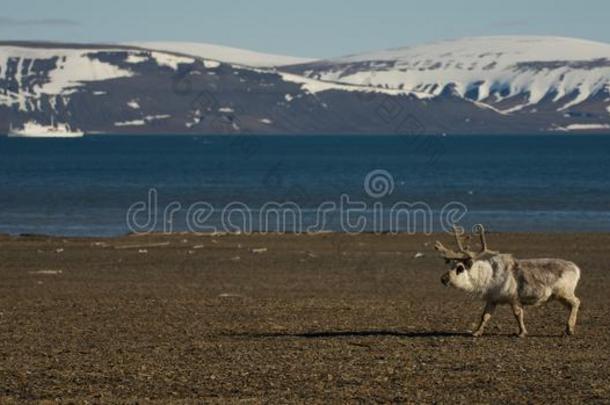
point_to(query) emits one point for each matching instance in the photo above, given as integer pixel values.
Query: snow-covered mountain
(125, 89)
(224, 54)
(471, 86)
(527, 74)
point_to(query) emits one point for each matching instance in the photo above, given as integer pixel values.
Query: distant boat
(32, 129)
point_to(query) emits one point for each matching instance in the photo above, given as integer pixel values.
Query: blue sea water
(510, 183)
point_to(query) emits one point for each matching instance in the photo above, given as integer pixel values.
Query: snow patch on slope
(488, 69)
(211, 64)
(582, 127)
(133, 104)
(140, 122)
(171, 61)
(150, 118)
(137, 58)
(317, 86)
(222, 53)
(74, 67)
(77, 69)
(133, 123)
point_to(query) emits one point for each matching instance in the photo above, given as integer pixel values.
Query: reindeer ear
(468, 263)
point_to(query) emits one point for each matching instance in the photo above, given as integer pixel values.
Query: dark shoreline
(155, 235)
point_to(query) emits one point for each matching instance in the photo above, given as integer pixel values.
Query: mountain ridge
(110, 88)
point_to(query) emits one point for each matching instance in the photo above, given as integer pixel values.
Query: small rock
(47, 272)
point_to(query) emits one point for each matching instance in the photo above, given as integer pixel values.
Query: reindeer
(502, 279)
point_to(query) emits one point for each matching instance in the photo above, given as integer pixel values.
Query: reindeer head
(464, 259)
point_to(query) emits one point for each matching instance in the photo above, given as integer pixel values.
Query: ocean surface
(112, 185)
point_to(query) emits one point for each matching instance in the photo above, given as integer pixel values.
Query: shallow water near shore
(511, 183)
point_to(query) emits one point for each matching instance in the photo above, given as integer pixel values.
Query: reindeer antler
(449, 254)
(480, 229)
(464, 253)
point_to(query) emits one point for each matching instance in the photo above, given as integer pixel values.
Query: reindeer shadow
(352, 334)
(378, 333)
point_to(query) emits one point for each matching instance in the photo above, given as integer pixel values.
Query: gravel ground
(286, 318)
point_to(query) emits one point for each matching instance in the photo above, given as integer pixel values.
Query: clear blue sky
(313, 28)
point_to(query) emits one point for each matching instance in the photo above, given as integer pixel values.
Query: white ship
(32, 129)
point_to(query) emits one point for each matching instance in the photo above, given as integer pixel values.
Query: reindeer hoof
(477, 333)
(569, 332)
(522, 335)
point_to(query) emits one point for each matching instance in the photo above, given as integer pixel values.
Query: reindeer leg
(518, 312)
(573, 304)
(487, 313)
